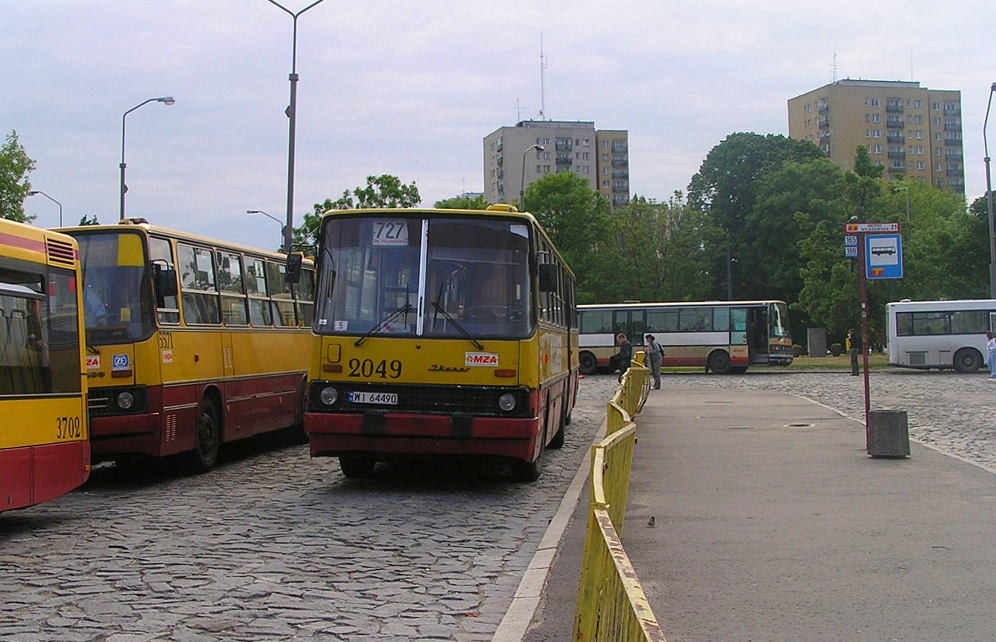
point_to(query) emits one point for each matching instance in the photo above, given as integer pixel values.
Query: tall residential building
(911, 130)
(513, 160)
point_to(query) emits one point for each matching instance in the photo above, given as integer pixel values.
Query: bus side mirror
(548, 277)
(292, 274)
(165, 278)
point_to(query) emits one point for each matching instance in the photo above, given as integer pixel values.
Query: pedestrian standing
(991, 354)
(854, 342)
(625, 354)
(655, 356)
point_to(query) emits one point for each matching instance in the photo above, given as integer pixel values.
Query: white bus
(939, 334)
(722, 336)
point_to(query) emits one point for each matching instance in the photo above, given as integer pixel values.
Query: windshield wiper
(439, 308)
(405, 309)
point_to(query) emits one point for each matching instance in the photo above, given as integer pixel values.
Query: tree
(89, 220)
(380, 191)
(724, 187)
(654, 253)
(15, 165)
(768, 261)
(575, 217)
(463, 203)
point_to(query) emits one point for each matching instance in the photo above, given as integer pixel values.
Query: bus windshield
(441, 277)
(117, 294)
(779, 320)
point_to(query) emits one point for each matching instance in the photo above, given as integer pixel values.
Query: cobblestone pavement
(948, 411)
(273, 545)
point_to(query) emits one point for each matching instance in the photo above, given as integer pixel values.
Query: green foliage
(576, 218)
(654, 252)
(380, 191)
(462, 203)
(726, 186)
(89, 220)
(15, 165)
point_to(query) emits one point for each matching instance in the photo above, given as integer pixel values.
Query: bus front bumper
(398, 435)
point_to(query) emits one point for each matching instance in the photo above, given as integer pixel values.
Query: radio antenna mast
(542, 114)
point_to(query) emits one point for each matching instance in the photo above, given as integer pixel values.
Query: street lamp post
(166, 100)
(272, 218)
(292, 116)
(41, 193)
(907, 190)
(522, 184)
(989, 201)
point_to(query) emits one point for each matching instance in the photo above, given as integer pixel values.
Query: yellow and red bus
(440, 333)
(722, 336)
(44, 452)
(190, 342)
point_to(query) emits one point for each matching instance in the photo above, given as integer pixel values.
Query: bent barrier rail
(611, 603)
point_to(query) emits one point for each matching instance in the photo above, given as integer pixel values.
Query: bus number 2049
(368, 368)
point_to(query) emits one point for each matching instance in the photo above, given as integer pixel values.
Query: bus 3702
(440, 333)
(190, 342)
(939, 334)
(44, 452)
(722, 336)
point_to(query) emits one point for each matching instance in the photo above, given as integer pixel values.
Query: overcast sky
(412, 88)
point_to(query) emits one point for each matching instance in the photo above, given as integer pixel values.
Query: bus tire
(356, 467)
(588, 363)
(208, 437)
(967, 360)
(527, 471)
(719, 362)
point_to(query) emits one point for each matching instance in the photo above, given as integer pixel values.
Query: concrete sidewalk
(772, 523)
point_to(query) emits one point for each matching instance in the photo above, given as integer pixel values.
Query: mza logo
(119, 362)
(480, 359)
(92, 362)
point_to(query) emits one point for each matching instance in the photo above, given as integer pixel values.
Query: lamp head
(168, 100)
(540, 148)
(993, 87)
(33, 192)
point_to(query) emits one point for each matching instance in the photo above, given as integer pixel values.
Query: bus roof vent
(60, 252)
(502, 207)
(133, 221)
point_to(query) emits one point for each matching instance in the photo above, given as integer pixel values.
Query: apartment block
(516, 156)
(910, 130)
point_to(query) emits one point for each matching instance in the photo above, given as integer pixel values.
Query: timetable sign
(853, 228)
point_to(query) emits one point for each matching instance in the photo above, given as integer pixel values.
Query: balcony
(823, 123)
(620, 162)
(564, 146)
(897, 123)
(620, 173)
(952, 127)
(564, 159)
(620, 148)
(953, 141)
(954, 172)
(951, 110)
(896, 138)
(893, 109)
(901, 155)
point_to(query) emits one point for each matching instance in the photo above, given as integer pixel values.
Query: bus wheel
(719, 362)
(588, 363)
(967, 360)
(356, 467)
(205, 453)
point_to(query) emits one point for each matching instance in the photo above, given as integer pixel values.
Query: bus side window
(259, 303)
(167, 306)
(233, 299)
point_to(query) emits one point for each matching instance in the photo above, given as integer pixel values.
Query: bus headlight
(125, 400)
(507, 402)
(328, 396)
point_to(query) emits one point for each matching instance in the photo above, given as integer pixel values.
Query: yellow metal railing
(611, 604)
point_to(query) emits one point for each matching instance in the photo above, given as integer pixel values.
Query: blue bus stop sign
(883, 256)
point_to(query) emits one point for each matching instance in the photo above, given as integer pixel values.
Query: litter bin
(887, 434)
